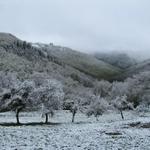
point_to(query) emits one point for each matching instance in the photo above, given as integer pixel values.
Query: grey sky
(87, 25)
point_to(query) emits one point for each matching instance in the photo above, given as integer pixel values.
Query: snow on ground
(109, 133)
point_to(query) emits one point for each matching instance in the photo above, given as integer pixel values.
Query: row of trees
(28, 95)
(23, 44)
(129, 94)
(49, 94)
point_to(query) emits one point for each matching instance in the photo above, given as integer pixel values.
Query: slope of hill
(80, 61)
(19, 56)
(140, 67)
(135, 69)
(118, 59)
(59, 62)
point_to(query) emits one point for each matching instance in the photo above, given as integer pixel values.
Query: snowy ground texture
(109, 133)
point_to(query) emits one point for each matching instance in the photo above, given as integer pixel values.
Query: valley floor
(109, 133)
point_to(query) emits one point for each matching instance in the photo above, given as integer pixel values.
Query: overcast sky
(87, 25)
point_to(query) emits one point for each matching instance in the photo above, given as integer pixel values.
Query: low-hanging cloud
(87, 25)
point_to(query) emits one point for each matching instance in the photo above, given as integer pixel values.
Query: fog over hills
(103, 26)
(18, 55)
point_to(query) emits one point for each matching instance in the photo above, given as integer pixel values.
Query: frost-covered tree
(77, 105)
(102, 88)
(9, 80)
(119, 89)
(5, 95)
(139, 86)
(74, 102)
(121, 103)
(134, 88)
(97, 106)
(39, 78)
(76, 99)
(49, 96)
(16, 99)
(27, 96)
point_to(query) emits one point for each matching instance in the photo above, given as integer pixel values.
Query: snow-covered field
(109, 133)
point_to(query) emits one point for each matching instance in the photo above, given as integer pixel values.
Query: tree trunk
(73, 116)
(46, 119)
(17, 115)
(122, 114)
(97, 118)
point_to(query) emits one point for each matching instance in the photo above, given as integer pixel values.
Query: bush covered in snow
(97, 106)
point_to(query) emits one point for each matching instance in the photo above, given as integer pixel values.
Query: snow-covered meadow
(109, 133)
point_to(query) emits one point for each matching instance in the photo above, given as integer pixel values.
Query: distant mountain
(118, 59)
(85, 63)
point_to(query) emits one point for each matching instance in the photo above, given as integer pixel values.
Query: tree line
(49, 95)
